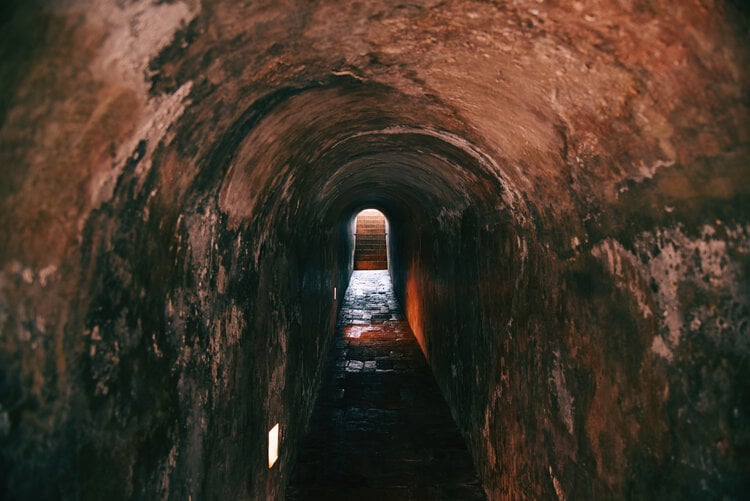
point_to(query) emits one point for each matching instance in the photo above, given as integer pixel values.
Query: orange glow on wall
(414, 311)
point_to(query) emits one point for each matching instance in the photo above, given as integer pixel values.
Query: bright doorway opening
(370, 241)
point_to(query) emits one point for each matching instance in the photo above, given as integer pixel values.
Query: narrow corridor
(380, 428)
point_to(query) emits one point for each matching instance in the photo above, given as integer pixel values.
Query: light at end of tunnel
(273, 445)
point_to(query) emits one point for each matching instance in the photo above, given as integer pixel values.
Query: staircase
(370, 252)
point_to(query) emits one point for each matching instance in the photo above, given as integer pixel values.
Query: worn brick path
(380, 429)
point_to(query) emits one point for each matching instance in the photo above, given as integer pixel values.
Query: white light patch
(273, 445)
(334, 293)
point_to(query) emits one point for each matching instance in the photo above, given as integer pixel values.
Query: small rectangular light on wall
(334, 293)
(273, 445)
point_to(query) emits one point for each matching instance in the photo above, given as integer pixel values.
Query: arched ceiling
(387, 150)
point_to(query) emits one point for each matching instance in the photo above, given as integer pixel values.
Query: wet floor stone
(380, 428)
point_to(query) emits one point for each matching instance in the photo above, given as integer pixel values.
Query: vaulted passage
(566, 189)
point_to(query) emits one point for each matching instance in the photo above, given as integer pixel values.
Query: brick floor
(380, 429)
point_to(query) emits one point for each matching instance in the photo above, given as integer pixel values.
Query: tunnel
(566, 189)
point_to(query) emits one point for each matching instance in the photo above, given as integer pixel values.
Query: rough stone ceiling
(573, 100)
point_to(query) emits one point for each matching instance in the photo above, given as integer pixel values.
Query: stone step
(371, 265)
(371, 258)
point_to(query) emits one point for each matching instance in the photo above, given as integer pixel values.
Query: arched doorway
(370, 247)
